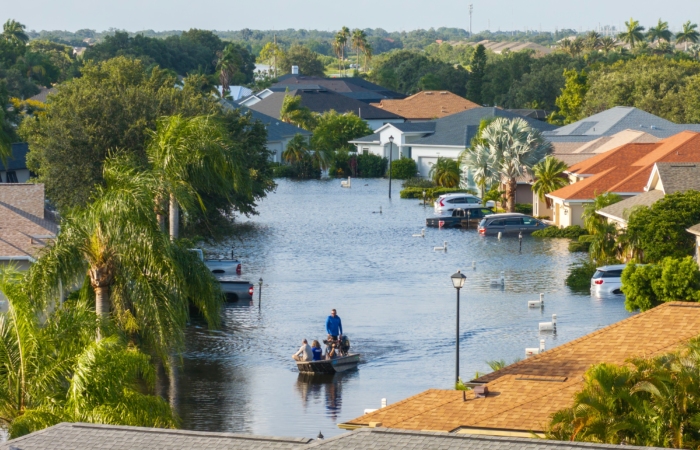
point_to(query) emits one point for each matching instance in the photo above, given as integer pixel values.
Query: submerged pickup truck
(226, 272)
(467, 218)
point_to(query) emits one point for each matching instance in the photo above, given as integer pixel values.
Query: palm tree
(660, 32)
(297, 149)
(478, 160)
(189, 157)
(445, 172)
(368, 55)
(338, 50)
(592, 41)
(342, 39)
(359, 41)
(688, 34)
(141, 280)
(548, 178)
(13, 32)
(574, 47)
(515, 148)
(591, 219)
(54, 371)
(228, 63)
(607, 44)
(294, 112)
(633, 34)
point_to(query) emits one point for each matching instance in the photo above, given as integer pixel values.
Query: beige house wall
(567, 214)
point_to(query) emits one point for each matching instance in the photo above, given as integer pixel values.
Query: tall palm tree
(548, 178)
(592, 41)
(515, 147)
(141, 281)
(607, 44)
(228, 64)
(660, 32)
(359, 41)
(338, 50)
(446, 173)
(342, 37)
(13, 32)
(190, 156)
(478, 160)
(368, 55)
(53, 371)
(689, 34)
(633, 34)
(297, 149)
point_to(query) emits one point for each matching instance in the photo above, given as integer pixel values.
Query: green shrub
(403, 168)
(371, 166)
(340, 165)
(577, 246)
(418, 182)
(586, 238)
(282, 170)
(579, 277)
(523, 208)
(673, 279)
(572, 232)
(430, 193)
(302, 170)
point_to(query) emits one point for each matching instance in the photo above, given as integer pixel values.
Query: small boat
(340, 364)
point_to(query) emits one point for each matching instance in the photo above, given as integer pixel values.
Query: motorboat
(336, 365)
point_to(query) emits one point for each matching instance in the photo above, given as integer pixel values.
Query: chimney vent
(295, 70)
(481, 391)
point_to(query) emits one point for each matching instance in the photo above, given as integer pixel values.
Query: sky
(392, 15)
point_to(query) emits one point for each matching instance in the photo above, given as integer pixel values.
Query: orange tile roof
(522, 396)
(427, 105)
(627, 168)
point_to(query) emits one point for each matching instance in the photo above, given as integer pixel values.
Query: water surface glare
(318, 246)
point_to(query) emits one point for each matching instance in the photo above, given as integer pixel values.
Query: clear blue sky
(134, 15)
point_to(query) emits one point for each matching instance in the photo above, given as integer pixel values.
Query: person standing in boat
(305, 353)
(334, 327)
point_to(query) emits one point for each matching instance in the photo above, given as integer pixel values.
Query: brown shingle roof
(522, 396)
(23, 228)
(427, 105)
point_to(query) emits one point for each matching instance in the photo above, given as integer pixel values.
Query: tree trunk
(174, 378)
(159, 213)
(511, 186)
(174, 218)
(101, 305)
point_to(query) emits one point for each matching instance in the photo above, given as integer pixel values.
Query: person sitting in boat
(316, 350)
(305, 353)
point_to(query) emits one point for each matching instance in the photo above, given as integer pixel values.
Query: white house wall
(425, 157)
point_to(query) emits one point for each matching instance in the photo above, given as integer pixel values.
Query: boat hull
(330, 365)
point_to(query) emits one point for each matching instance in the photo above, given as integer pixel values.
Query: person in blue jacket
(334, 327)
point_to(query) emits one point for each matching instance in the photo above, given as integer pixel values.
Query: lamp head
(458, 280)
(391, 139)
(260, 281)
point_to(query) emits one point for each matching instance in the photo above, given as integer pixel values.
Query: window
(612, 274)
(530, 221)
(12, 177)
(472, 200)
(365, 150)
(514, 221)
(497, 223)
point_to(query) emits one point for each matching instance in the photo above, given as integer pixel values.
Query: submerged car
(445, 204)
(607, 280)
(460, 218)
(510, 223)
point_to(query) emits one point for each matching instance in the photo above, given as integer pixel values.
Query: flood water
(318, 246)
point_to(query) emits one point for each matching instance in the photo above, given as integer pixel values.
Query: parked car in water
(607, 280)
(509, 223)
(460, 218)
(226, 272)
(445, 204)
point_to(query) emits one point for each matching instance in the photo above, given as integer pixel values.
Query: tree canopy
(307, 60)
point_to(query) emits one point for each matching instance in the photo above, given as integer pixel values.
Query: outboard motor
(344, 345)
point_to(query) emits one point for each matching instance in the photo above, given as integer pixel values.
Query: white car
(607, 280)
(445, 204)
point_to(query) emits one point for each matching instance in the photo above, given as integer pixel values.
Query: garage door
(424, 165)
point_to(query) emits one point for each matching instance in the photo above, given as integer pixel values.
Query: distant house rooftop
(354, 87)
(43, 94)
(427, 105)
(83, 436)
(521, 397)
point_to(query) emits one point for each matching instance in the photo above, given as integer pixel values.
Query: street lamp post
(458, 282)
(423, 198)
(391, 151)
(260, 282)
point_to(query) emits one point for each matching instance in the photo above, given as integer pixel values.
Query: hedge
(523, 208)
(578, 246)
(403, 168)
(572, 232)
(430, 193)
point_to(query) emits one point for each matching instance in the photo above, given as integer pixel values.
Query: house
(501, 47)
(519, 399)
(15, 171)
(695, 230)
(353, 87)
(578, 141)
(278, 133)
(43, 94)
(87, 436)
(666, 178)
(427, 105)
(24, 226)
(426, 141)
(624, 171)
(323, 100)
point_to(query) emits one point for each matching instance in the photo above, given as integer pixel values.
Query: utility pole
(275, 59)
(471, 9)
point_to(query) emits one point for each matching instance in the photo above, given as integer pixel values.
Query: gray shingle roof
(18, 160)
(623, 209)
(615, 120)
(78, 436)
(459, 129)
(276, 129)
(679, 177)
(412, 127)
(371, 138)
(339, 85)
(320, 101)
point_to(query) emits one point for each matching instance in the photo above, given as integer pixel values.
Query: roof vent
(653, 127)
(428, 93)
(443, 93)
(481, 391)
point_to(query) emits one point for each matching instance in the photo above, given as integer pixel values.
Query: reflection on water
(318, 247)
